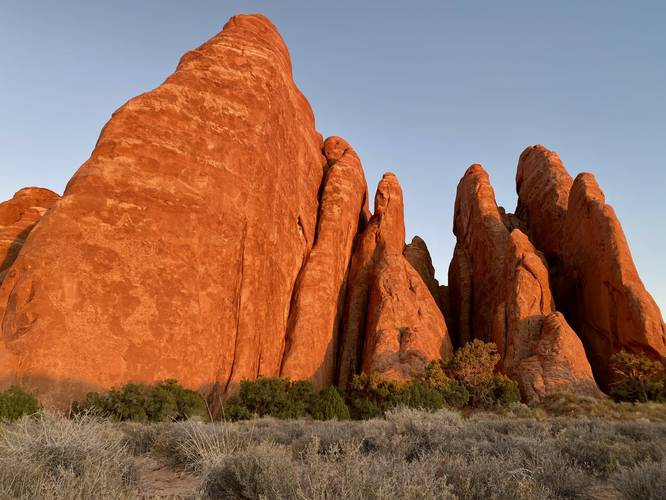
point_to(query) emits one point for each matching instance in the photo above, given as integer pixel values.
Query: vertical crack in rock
(239, 298)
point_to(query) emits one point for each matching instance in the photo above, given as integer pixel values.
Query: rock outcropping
(18, 217)
(316, 309)
(392, 323)
(418, 256)
(214, 236)
(180, 240)
(209, 239)
(595, 282)
(501, 293)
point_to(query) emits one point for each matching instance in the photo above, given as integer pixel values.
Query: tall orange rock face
(392, 324)
(179, 242)
(317, 306)
(18, 217)
(500, 292)
(595, 282)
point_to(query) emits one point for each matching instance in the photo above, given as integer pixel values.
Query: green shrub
(454, 394)
(277, 397)
(329, 405)
(15, 402)
(419, 395)
(473, 366)
(369, 396)
(284, 399)
(162, 401)
(474, 363)
(233, 410)
(637, 378)
(505, 390)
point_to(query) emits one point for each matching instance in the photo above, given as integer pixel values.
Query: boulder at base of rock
(392, 326)
(557, 364)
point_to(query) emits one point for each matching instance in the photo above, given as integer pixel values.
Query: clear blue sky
(420, 88)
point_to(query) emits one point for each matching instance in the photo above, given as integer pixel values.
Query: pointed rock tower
(392, 323)
(595, 282)
(175, 249)
(500, 293)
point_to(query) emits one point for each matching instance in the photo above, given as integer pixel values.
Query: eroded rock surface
(500, 292)
(418, 256)
(595, 282)
(316, 310)
(18, 216)
(555, 363)
(180, 240)
(392, 323)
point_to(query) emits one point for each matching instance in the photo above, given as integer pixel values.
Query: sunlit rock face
(500, 293)
(18, 217)
(392, 324)
(176, 247)
(595, 282)
(317, 306)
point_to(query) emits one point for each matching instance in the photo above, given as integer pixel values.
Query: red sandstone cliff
(213, 236)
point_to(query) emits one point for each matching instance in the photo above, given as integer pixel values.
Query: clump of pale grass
(49, 456)
(408, 454)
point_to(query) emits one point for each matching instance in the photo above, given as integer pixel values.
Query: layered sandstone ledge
(214, 236)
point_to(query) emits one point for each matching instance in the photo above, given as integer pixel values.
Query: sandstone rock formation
(18, 217)
(316, 309)
(554, 364)
(180, 240)
(500, 293)
(213, 236)
(392, 323)
(595, 282)
(418, 256)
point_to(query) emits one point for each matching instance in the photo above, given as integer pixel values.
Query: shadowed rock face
(418, 256)
(180, 240)
(500, 293)
(553, 367)
(595, 282)
(18, 217)
(316, 310)
(392, 323)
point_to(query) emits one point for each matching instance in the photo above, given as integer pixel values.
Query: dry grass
(411, 454)
(53, 457)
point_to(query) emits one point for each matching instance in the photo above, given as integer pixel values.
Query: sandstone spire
(500, 293)
(392, 323)
(418, 256)
(595, 282)
(316, 309)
